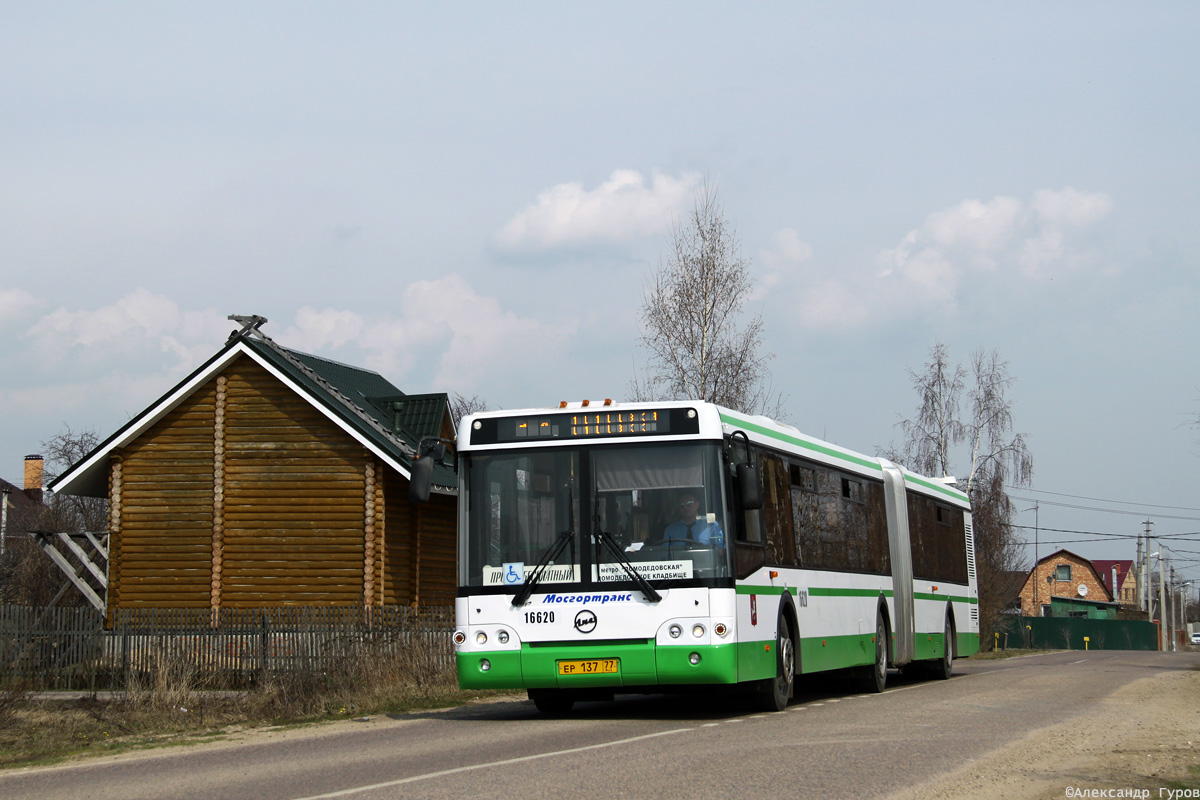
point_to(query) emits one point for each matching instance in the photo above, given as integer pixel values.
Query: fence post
(125, 654)
(262, 647)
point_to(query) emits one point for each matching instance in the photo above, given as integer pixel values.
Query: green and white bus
(647, 547)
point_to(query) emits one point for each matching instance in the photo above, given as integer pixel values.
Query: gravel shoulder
(1144, 736)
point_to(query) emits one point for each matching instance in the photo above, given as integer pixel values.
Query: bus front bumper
(637, 664)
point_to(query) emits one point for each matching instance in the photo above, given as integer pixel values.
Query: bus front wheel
(776, 691)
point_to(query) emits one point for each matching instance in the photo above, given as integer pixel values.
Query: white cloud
(622, 208)
(140, 321)
(468, 337)
(780, 261)
(15, 303)
(932, 266)
(315, 330)
(1071, 207)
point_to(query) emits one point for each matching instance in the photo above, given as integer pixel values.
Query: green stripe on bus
(819, 591)
(826, 591)
(952, 598)
(816, 448)
(752, 589)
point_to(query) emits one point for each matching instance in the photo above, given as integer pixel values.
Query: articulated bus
(656, 547)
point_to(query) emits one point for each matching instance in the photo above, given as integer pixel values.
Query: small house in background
(1120, 578)
(1065, 584)
(270, 477)
(20, 504)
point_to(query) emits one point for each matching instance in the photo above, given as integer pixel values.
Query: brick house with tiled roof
(270, 477)
(1061, 575)
(1120, 578)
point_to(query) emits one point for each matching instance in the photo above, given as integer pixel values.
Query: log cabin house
(270, 477)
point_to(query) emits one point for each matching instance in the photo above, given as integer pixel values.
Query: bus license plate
(588, 666)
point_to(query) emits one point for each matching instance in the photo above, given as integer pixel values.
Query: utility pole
(1036, 574)
(1162, 602)
(4, 518)
(1145, 587)
(1171, 610)
(1138, 571)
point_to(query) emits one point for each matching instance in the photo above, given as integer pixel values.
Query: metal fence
(70, 648)
(1068, 633)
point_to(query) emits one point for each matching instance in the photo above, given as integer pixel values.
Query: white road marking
(500, 763)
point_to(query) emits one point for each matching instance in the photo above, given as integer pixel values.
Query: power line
(1104, 510)
(1177, 537)
(1098, 499)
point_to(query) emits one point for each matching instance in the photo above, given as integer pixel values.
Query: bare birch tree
(691, 320)
(929, 438)
(995, 458)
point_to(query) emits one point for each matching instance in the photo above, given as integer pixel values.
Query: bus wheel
(552, 701)
(874, 677)
(944, 666)
(776, 691)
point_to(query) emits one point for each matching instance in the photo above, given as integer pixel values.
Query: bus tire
(944, 666)
(775, 692)
(552, 701)
(874, 676)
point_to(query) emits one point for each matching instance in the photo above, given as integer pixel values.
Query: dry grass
(173, 703)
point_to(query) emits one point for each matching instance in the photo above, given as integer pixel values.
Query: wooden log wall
(245, 496)
(294, 488)
(420, 548)
(163, 511)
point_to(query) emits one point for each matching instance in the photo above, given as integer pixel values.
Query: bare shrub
(171, 684)
(13, 697)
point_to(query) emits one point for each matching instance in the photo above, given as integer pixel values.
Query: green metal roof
(366, 400)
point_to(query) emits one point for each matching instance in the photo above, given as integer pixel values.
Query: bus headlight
(485, 665)
(502, 637)
(460, 637)
(694, 659)
(481, 638)
(675, 631)
(697, 630)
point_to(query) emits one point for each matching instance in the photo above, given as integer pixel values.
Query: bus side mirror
(749, 486)
(421, 477)
(420, 480)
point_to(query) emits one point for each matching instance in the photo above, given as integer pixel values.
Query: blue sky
(469, 198)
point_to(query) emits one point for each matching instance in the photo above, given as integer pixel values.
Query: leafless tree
(461, 406)
(994, 455)
(27, 575)
(691, 320)
(73, 513)
(929, 439)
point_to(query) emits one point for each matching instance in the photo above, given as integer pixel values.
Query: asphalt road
(831, 742)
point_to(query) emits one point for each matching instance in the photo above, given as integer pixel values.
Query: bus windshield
(595, 513)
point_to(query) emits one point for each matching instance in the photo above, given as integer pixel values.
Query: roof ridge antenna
(250, 328)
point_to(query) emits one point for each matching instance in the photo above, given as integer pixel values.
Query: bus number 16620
(533, 617)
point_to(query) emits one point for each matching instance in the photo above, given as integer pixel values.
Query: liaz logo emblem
(585, 621)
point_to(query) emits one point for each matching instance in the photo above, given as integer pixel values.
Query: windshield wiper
(564, 537)
(606, 539)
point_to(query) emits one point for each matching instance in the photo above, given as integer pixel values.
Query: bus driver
(690, 526)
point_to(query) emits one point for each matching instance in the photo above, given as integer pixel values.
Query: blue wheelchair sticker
(514, 572)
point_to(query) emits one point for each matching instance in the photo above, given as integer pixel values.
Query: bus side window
(777, 511)
(749, 552)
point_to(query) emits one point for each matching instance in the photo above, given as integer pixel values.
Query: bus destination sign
(607, 423)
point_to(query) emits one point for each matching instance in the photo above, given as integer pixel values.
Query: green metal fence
(1069, 633)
